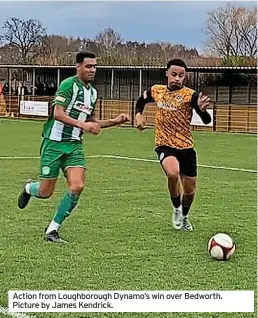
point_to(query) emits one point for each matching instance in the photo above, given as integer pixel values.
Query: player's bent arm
(60, 115)
(204, 115)
(144, 99)
(103, 123)
(120, 119)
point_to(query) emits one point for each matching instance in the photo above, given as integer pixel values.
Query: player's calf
(75, 182)
(189, 186)
(174, 190)
(64, 210)
(187, 201)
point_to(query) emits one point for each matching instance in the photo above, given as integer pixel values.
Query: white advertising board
(34, 108)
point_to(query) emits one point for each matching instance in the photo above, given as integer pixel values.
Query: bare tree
(108, 40)
(232, 31)
(8, 55)
(247, 28)
(27, 42)
(24, 35)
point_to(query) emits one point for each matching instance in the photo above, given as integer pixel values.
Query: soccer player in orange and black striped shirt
(173, 138)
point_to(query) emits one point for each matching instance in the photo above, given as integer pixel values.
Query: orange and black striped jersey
(173, 115)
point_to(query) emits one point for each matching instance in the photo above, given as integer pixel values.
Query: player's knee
(47, 188)
(173, 175)
(189, 193)
(77, 187)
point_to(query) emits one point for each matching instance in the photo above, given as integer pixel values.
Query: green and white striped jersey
(79, 103)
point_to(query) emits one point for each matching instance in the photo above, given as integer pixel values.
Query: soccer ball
(221, 246)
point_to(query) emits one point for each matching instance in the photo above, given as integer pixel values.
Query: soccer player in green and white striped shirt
(72, 114)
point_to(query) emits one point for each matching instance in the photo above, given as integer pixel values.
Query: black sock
(176, 201)
(185, 210)
(187, 201)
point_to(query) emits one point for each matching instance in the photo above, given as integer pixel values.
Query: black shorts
(186, 158)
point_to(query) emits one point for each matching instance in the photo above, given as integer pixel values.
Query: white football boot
(177, 218)
(186, 224)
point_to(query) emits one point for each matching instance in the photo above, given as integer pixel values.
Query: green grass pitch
(120, 234)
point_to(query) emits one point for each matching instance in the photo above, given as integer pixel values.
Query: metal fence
(226, 117)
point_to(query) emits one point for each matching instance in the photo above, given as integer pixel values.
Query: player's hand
(203, 101)
(140, 122)
(91, 127)
(120, 119)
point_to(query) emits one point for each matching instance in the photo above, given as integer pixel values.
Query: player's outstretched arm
(120, 119)
(200, 103)
(60, 115)
(144, 99)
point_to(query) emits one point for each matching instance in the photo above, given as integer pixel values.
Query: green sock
(33, 189)
(66, 207)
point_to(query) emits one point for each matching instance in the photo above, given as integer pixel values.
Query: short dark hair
(176, 62)
(83, 55)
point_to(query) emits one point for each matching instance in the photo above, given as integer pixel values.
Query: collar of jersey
(81, 82)
(174, 90)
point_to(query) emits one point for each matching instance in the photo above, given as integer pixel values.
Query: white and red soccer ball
(221, 246)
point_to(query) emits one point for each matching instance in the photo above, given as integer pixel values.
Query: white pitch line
(228, 168)
(5, 311)
(135, 159)
(18, 157)
(122, 157)
(30, 121)
(155, 160)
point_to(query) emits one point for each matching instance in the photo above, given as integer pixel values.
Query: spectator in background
(39, 87)
(6, 88)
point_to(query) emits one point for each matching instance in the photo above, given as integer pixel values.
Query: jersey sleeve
(204, 115)
(144, 99)
(64, 94)
(94, 98)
